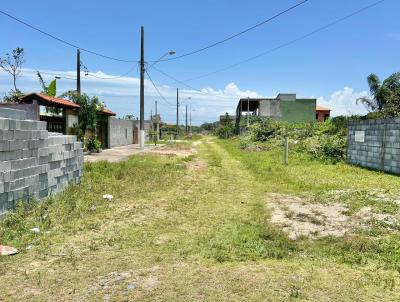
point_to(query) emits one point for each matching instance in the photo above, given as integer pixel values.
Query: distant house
(322, 113)
(285, 107)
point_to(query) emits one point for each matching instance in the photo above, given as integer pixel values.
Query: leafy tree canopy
(385, 96)
(87, 113)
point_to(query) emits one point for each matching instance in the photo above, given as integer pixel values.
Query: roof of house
(322, 108)
(49, 101)
(107, 111)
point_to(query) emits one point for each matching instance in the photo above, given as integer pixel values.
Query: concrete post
(286, 152)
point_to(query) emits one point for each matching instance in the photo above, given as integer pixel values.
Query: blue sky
(331, 65)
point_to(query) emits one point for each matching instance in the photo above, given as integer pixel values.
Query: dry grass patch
(173, 150)
(302, 217)
(125, 285)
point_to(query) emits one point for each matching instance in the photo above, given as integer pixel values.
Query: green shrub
(226, 127)
(328, 148)
(93, 145)
(323, 141)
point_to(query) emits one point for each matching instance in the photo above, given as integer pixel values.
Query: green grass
(177, 233)
(306, 175)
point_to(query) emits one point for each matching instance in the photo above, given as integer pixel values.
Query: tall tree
(385, 95)
(12, 64)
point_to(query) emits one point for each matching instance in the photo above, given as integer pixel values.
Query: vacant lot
(221, 224)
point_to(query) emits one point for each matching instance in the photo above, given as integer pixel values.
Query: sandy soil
(299, 217)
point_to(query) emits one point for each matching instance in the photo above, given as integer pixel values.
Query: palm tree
(385, 96)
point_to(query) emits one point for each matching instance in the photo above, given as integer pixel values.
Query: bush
(93, 145)
(226, 127)
(328, 148)
(324, 141)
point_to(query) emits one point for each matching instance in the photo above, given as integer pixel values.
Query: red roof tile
(49, 101)
(108, 112)
(57, 102)
(322, 108)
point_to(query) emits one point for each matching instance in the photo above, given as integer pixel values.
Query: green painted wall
(301, 110)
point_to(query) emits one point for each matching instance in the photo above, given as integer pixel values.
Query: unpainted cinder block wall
(381, 147)
(120, 132)
(34, 162)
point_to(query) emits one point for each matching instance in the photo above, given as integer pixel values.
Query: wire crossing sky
(322, 49)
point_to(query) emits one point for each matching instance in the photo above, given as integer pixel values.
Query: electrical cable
(64, 41)
(284, 44)
(158, 91)
(191, 87)
(237, 34)
(112, 78)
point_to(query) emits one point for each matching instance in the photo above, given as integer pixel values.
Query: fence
(375, 144)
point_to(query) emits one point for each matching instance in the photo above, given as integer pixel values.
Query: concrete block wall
(31, 110)
(380, 149)
(34, 162)
(120, 132)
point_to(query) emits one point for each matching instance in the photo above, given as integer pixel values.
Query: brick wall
(375, 144)
(34, 162)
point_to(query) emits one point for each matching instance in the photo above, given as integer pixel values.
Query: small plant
(93, 145)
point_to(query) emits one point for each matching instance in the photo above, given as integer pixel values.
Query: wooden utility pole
(78, 71)
(177, 113)
(141, 129)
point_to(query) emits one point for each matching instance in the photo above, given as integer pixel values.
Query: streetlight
(169, 53)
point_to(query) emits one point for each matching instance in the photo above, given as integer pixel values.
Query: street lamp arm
(169, 53)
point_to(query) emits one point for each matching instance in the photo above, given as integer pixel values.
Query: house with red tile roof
(68, 115)
(322, 113)
(64, 114)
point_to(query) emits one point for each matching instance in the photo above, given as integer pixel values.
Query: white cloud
(232, 89)
(122, 94)
(344, 102)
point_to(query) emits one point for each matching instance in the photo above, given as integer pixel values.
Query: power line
(237, 34)
(64, 41)
(191, 87)
(158, 91)
(284, 44)
(112, 78)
